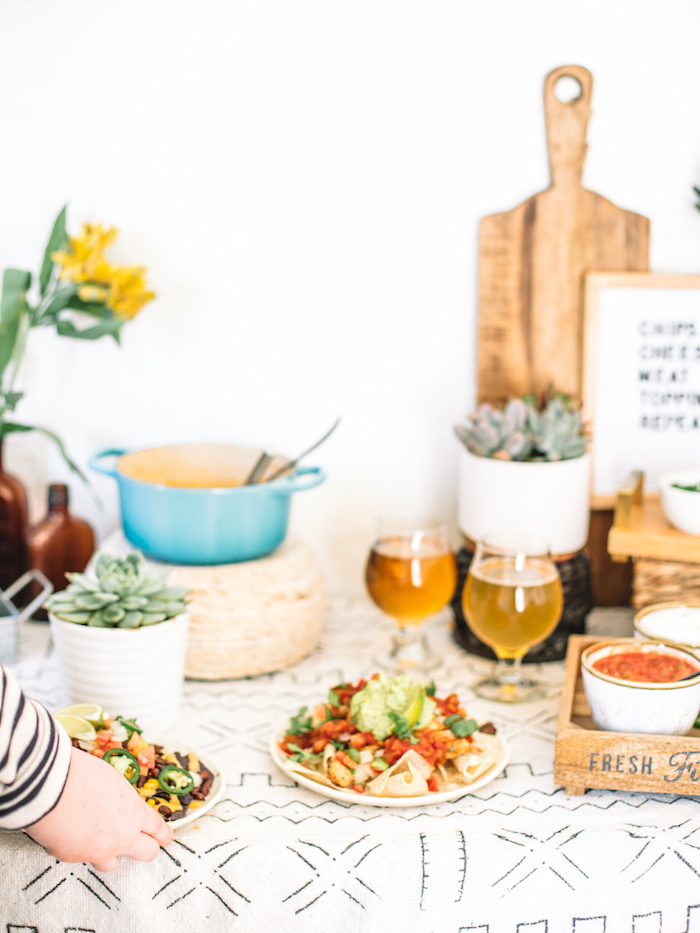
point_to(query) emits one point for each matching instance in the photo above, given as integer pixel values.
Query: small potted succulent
(121, 635)
(526, 467)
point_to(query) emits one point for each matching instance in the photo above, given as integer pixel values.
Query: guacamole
(370, 707)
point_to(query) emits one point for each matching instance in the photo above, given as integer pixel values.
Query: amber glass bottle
(13, 528)
(61, 542)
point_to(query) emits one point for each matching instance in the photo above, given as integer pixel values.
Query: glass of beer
(411, 574)
(512, 600)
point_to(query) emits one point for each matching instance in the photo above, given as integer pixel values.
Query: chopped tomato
(104, 746)
(450, 706)
(337, 727)
(360, 739)
(345, 760)
(358, 788)
(432, 784)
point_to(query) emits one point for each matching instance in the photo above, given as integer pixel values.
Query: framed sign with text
(641, 390)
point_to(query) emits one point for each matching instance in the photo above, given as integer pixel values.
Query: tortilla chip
(481, 757)
(317, 776)
(407, 778)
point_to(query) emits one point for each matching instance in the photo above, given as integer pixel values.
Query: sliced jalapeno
(175, 780)
(128, 766)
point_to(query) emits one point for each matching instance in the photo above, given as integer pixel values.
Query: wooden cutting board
(532, 262)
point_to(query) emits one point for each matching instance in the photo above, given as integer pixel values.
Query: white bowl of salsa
(641, 687)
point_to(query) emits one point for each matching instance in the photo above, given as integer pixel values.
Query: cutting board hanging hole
(567, 89)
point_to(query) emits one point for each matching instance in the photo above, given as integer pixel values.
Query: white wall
(304, 182)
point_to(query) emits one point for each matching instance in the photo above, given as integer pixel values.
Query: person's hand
(99, 817)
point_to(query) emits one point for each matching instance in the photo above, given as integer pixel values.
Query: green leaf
(57, 241)
(430, 689)
(111, 326)
(13, 304)
(353, 753)
(301, 754)
(59, 301)
(461, 727)
(333, 698)
(130, 726)
(300, 723)
(11, 400)
(9, 427)
(98, 308)
(402, 730)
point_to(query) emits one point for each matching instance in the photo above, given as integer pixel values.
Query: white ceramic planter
(548, 499)
(681, 507)
(129, 672)
(621, 706)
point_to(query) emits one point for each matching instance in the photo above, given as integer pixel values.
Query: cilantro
(430, 689)
(301, 754)
(329, 714)
(461, 727)
(353, 753)
(300, 723)
(337, 745)
(130, 726)
(333, 698)
(402, 730)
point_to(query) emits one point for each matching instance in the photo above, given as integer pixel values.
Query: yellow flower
(122, 288)
(86, 261)
(93, 293)
(128, 292)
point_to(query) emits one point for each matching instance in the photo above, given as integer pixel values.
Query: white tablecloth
(518, 856)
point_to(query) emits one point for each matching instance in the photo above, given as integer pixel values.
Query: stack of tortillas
(249, 618)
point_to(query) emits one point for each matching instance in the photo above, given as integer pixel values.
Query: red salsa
(645, 667)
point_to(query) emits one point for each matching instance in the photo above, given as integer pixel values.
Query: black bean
(142, 780)
(197, 795)
(205, 788)
(488, 728)
(177, 815)
(166, 811)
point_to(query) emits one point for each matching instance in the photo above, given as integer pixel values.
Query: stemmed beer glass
(512, 600)
(411, 574)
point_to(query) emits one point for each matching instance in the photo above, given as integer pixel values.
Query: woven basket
(253, 617)
(663, 581)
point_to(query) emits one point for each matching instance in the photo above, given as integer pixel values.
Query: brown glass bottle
(13, 528)
(62, 542)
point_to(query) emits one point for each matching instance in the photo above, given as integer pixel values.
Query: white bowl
(675, 622)
(681, 507)
(622, 706)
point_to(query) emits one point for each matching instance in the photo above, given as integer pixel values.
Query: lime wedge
(413, 705)
(76, 726)
(90, 711)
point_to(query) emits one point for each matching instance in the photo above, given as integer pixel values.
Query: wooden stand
(666, 561)
(586, 757)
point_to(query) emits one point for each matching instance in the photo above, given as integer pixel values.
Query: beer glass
(411, 574)
(512, 600)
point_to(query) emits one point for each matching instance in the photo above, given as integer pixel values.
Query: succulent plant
(522, 431)
(117, 592)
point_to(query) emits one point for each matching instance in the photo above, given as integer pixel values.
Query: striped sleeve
(34, 757)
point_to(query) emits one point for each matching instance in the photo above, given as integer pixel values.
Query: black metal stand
(575, 576)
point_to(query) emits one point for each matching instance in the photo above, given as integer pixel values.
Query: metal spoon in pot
(264, 461)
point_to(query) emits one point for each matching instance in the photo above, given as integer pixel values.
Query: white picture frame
(641, 377)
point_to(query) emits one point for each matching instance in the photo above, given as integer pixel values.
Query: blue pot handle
(302, 478)
(94, 462)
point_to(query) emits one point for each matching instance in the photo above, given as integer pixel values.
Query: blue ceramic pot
(219, 525)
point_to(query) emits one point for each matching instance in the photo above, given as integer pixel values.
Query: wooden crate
(586, 757)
